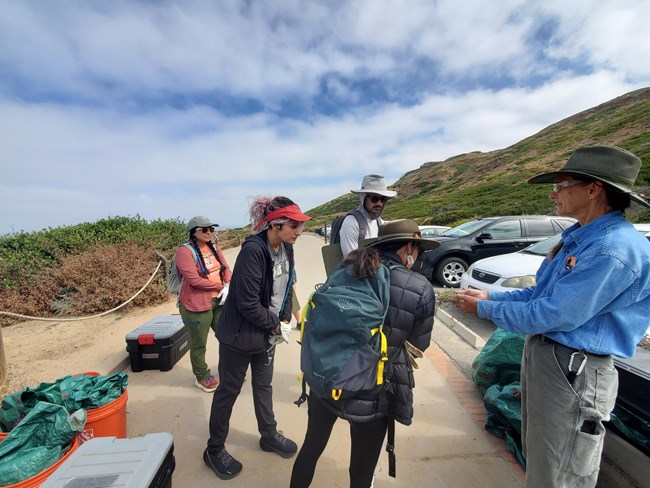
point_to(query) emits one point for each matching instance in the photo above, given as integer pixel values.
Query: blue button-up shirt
(594, 295)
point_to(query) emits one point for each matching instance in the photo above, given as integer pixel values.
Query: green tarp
(42, 421)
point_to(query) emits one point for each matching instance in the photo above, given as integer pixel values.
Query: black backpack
(335, 232)
(332, 254)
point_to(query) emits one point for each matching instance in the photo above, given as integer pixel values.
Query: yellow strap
(383, 359)
(383, 351)
(336, 394)
(309, 306)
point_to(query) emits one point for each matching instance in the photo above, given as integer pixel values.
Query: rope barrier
(71, 319)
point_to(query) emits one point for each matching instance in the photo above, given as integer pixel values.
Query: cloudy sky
(169, 109)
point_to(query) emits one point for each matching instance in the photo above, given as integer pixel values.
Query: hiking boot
(279, 444)
(223, 464)
(207, 384)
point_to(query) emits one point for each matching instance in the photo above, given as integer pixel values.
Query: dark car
(482, 238)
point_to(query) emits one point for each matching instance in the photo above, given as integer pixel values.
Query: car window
(540, 228)
(509, 229)
(466, 228)
(564, 223)
(543, 247)
(428, 233)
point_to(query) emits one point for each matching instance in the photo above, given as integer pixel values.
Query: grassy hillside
(494, 183)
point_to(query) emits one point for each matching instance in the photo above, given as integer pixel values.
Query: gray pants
(562, 421)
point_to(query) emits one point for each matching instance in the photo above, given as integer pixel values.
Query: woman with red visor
(255, 318)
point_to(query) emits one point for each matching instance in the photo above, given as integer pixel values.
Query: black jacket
(246, 321)
(410, 318)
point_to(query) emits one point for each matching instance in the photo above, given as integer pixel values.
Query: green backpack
(174, 277)
(343, 346)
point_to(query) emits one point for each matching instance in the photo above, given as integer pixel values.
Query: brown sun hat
(402, 230)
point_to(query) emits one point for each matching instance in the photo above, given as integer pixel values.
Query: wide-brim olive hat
(200, 221)
(375, 184)
(612, 165)
(402, 230)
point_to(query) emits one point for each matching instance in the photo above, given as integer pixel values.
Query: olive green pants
(198, 325)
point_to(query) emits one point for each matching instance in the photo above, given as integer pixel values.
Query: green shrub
(90, 267)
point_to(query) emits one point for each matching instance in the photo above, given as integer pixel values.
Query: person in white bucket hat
(364, 221)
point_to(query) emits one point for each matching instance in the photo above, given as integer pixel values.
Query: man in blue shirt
(590, 303)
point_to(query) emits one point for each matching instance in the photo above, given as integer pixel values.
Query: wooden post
(3, 361)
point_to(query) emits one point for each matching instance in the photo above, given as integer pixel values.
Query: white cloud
(170, 109)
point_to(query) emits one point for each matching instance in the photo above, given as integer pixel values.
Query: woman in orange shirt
(206, 278)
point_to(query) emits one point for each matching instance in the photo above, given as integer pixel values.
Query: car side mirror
(485, 235)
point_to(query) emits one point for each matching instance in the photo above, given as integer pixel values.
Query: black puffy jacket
(410, 318)
(246, 321)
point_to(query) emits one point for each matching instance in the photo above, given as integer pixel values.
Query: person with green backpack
(407, 323)
(205, 278)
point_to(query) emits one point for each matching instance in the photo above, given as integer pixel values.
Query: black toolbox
(158, 343)
(141, 462)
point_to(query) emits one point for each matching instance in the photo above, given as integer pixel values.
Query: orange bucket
(38, 479)
(108, 420)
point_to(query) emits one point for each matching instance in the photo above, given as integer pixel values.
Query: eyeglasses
(207, 230)
(560, 185)
(377, 198)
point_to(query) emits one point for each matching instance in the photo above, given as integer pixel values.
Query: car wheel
(449, 272)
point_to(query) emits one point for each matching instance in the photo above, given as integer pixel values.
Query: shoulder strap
(390, 441)
(195, 255)
(191, 248)
(286, 292)
(361, 220)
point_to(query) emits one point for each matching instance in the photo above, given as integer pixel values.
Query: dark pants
(232, 371)
(367, 440)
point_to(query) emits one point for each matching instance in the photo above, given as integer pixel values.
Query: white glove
(283, 336)
(223, 293)
(285, 329)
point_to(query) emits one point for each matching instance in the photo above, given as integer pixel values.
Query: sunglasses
(560, 185)
(377, 198)
(207, 230)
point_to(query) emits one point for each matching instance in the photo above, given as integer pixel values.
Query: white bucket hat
(375, 184)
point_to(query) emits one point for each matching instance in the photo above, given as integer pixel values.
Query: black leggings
(367, 440)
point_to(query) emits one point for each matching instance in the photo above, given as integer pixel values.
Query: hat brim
(426, 244)
(550, 178)
(297, 216)
(201, 226)
(383, 193)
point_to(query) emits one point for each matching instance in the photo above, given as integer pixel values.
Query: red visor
(290, 212)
